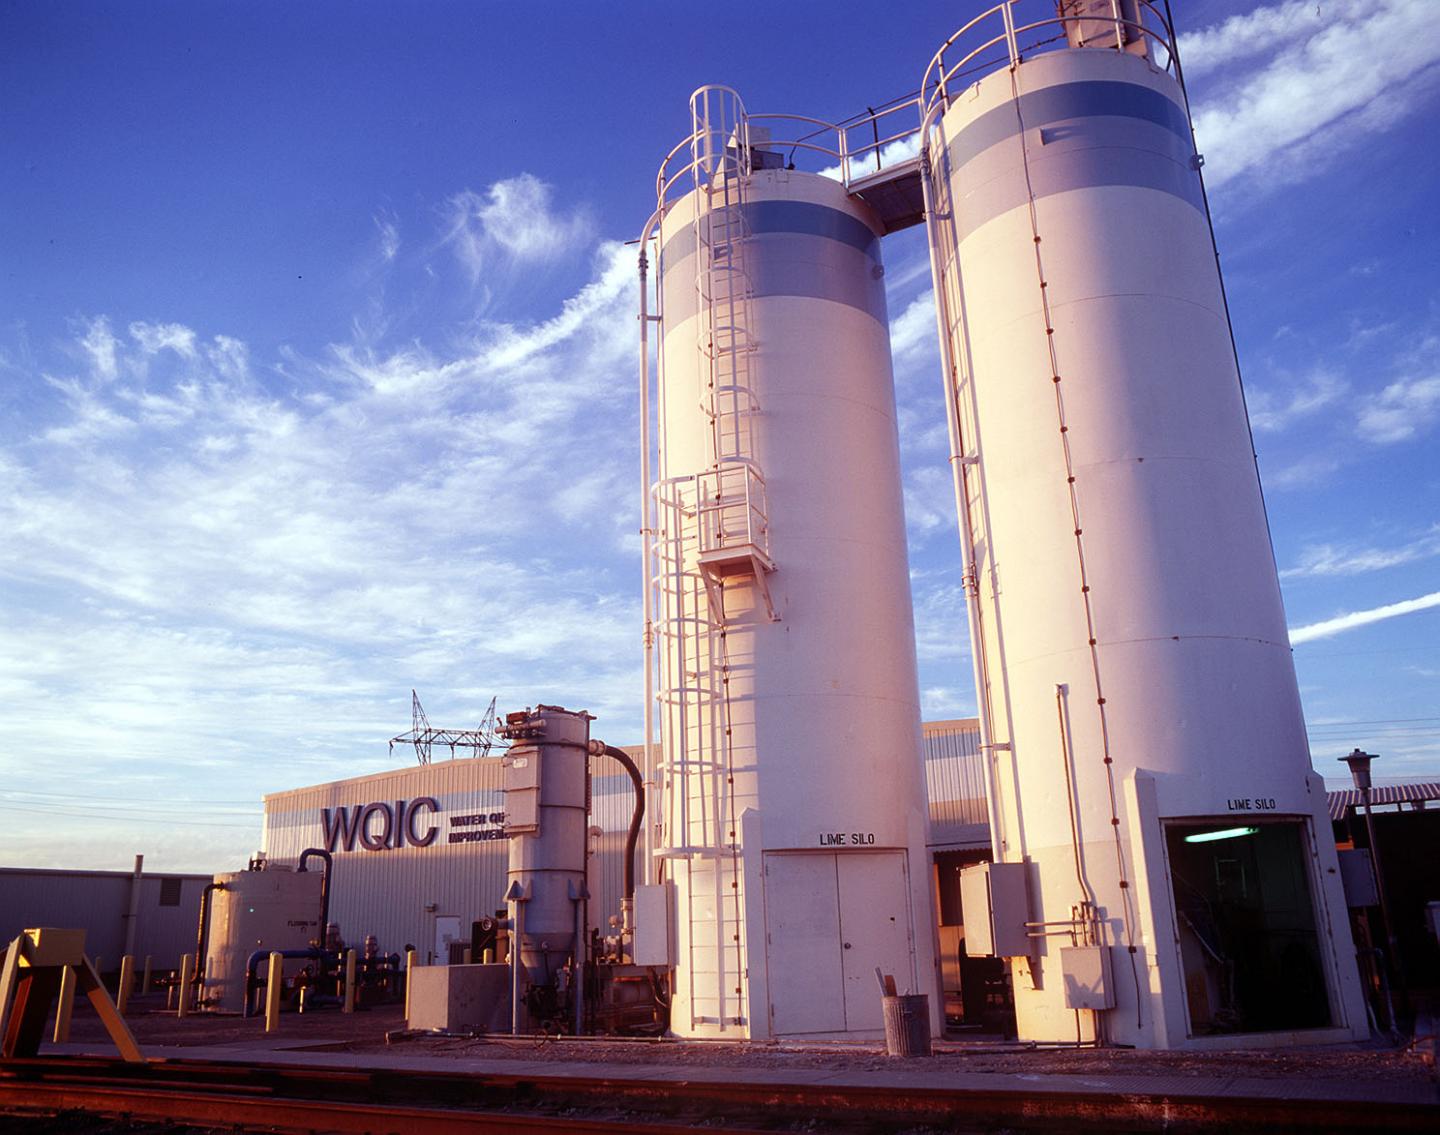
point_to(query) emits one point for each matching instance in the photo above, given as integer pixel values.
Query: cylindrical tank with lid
(276, 909)
(546, 778)
(1140, 683)
(793, 805)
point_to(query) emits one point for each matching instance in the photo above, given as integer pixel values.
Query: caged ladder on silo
(712, 527)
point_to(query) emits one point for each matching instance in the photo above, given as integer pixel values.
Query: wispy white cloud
(197, 537)
(1349, 621)
(1333, 560)
(99, 344)
(1401, 411)
(863, 164)
(1301, 89)
(387, 229)
(1258, 32)
(514, 218)
(1273, 409)
(913, 330)
(156, 337)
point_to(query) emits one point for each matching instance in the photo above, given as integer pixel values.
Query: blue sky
(317, 353)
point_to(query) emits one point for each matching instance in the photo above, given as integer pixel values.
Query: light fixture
(1223, 833)
(1359, 763)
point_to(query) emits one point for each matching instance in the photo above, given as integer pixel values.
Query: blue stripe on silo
(799, 217)
(1091, 135)
(789, 264)
(1064, 102)
(1080, 168)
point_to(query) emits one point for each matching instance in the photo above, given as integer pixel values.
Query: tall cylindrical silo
(792, 801)
(1147, 752)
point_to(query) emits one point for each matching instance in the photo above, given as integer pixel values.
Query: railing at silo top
(1006, 35)
(851, 152)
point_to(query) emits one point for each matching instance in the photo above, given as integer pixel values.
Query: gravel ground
(1374, 1064)
(366, 1032)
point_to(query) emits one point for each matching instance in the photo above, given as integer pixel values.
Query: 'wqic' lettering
(396, 826)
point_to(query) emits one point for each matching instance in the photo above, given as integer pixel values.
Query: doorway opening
(976, 989)
(1246, 919)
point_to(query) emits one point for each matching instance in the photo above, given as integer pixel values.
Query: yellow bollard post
(182, 994)
(274, 986)
(67, 1003)
(409, 970)
(349, 981)
(145, 980)
(127, 981)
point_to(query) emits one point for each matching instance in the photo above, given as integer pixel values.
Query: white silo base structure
(794, 813)
(1134, 665)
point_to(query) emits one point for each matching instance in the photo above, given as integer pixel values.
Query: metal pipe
(133, 910)
(985, 714)
(349, 1002)
(253, 962)
(321, 853)
(646, 530)
(126, 983)
(599, 748)
(409, 973)
(274, 981)
(1380, 889)
(202, 934)
(577, 965)
(184, 986)
(515, 965)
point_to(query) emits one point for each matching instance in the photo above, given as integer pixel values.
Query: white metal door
(802, 925)
(447, 930)
(874, 931)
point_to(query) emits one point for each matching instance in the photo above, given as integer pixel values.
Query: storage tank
(1142, 725)
(265, 910)
(793, 806)
(547, 788)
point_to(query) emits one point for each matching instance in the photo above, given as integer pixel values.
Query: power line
(1375, 721)
(209, 807)
(127, 818)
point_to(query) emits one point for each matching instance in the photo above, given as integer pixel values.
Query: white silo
(792, 804)
(1166, 871)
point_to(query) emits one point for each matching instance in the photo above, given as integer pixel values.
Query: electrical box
(521, 781)
(1086, 973)
(653, 904)
(1357, 875)
(995, 904)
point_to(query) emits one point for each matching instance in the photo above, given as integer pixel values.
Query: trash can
(907, 1024)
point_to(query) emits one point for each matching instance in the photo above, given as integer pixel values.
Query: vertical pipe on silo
(978, 662)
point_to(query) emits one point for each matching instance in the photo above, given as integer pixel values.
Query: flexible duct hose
(632, 838)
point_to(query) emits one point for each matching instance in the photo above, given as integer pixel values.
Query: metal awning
(1342, 801)
(894, 193)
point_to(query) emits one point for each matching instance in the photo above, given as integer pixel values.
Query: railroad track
(382, 1101)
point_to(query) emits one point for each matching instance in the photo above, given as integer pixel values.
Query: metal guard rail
(937, 86)
(847, 159)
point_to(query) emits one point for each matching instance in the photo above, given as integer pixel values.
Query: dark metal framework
(424, 736)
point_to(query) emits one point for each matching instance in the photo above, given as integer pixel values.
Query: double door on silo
(832, 918)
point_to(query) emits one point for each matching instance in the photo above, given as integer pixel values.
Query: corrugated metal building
(167, 910)
(419, 851)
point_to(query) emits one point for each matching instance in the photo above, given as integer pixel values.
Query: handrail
(1149, 26)
(839, 152)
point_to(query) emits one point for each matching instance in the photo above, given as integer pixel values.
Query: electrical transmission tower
(423, 735)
